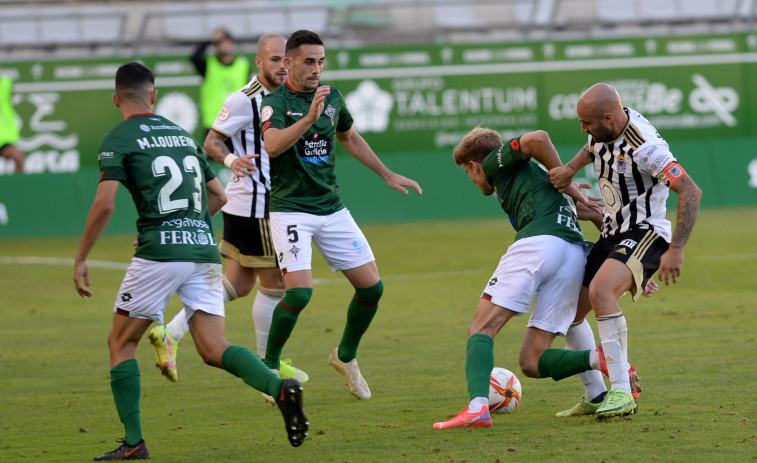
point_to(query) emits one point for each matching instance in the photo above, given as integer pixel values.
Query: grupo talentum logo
(370, 107)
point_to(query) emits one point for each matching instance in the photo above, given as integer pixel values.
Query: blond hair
(476, 145)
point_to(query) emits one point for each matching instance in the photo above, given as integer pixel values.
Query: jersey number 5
(163, 165)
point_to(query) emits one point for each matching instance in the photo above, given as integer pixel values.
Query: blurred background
(416, 74)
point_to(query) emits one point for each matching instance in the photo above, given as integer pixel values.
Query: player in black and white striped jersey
(635, 170)
(247, 246)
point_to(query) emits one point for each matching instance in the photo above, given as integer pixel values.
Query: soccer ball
(504, 391)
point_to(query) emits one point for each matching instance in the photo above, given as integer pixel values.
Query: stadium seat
(18, 27)
(228, 16)
(102, 24)
(455, 16)
(316, 17)
(184, 22)
(268, 21)
(59, 25)
(613, 12)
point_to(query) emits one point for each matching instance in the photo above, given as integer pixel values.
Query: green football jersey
(165, 171)
(528, 197)
(303, 177)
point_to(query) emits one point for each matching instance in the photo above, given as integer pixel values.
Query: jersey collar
(625, 129)
(141, 114)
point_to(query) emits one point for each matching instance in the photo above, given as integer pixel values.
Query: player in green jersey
(175, 193)
(544, 264)
(301, 121)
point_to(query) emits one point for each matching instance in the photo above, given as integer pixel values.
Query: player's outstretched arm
(561, 177)
(356, 145)
(99, 216)
(689, 195)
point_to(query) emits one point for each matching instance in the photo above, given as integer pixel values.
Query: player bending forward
(545, 263)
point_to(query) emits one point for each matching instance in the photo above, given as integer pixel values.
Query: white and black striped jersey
(627, 170)
(239, 120)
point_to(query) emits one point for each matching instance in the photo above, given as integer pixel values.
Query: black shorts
(248, 241)
(640, 250)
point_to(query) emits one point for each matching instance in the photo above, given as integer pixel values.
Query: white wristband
(229, 159)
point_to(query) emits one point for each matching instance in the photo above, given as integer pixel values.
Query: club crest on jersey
(330, 111)
(294, 251)
(621, 164)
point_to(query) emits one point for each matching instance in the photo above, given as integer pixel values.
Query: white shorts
(337, 237)
(149, 285)
(544, 268)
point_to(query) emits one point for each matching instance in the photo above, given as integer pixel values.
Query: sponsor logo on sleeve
(224, 114)
(266, 113)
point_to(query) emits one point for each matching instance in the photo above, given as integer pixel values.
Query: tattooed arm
(215, 146)
(689, 196)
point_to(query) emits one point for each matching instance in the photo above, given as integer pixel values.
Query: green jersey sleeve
(272, 112)
(345, 117)
(504, 162)
(111, 161)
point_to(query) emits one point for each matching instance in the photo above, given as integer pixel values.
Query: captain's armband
(672, 173)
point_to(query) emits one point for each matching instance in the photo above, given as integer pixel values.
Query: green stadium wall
(412, 104)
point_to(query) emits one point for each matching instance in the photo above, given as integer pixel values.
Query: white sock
(613, 333)
(262, 314)
(179, 326)
(580, 337)
(477, 404)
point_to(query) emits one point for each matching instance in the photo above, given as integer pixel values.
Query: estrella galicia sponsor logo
(293, 113)
(313, 149)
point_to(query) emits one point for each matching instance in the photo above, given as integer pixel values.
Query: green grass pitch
(694, 345)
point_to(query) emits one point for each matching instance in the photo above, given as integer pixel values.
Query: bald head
(601, 113)
(601, 98)
(270, 40)
(270, 60)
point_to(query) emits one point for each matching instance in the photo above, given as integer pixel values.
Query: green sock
(479, 361)
(561, 363)
(242, 363)
(360, 313)
(126, 384)
(282, 324)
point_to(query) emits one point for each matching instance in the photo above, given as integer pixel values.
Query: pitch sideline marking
(38, 260)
